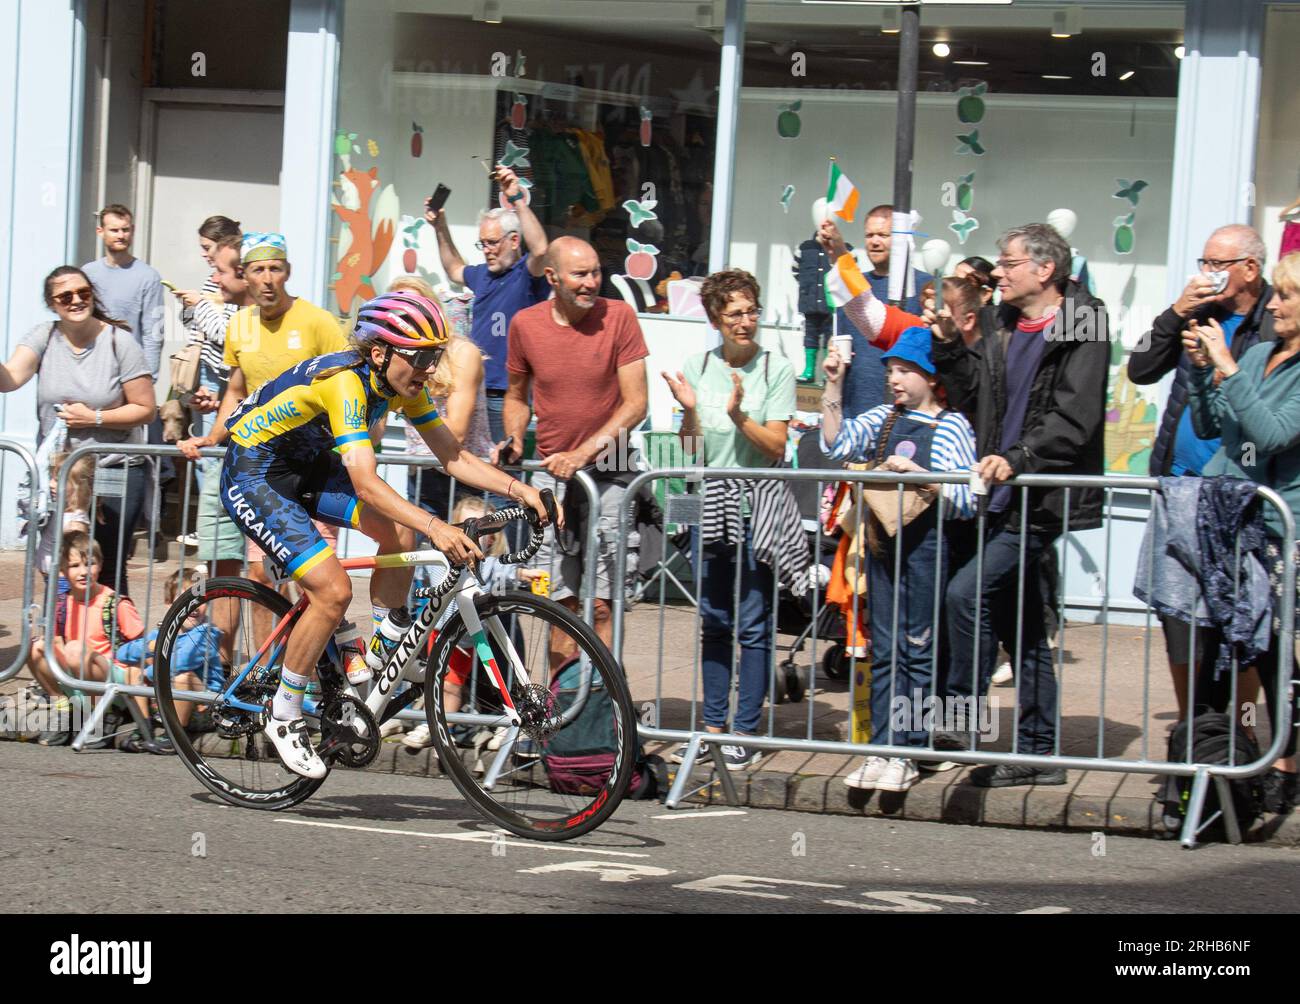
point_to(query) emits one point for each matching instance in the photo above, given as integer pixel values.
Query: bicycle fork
(413, 640)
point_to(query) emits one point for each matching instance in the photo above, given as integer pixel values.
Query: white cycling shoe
(293, 745)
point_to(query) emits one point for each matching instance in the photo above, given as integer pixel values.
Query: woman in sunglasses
(300, 449)
(100, 387)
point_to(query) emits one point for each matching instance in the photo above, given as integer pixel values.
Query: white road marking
(479, 837)
(748, 885)
(901, 901)
(1047, 909)
(609, 871)
(702, 812)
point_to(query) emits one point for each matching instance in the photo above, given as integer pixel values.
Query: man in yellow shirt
(263, 340)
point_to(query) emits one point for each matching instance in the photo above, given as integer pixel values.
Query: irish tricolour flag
(841, 196)
(844, 281)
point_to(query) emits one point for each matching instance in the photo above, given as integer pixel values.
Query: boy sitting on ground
(87, 621)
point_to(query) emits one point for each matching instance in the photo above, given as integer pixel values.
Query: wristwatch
(99, 417)
(515, 198)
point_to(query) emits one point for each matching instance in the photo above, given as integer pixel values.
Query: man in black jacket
(1034, 388)
(1234, 255)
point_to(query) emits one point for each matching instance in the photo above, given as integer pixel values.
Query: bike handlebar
(491, 522)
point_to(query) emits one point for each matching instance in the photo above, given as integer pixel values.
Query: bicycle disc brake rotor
(349, 732)
(539, 717)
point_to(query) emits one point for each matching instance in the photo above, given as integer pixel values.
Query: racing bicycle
(513, 695)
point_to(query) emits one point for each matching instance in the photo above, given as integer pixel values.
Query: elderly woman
(1253, 404)
(737, 401)
(94, 385)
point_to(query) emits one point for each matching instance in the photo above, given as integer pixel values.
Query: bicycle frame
(464, 594)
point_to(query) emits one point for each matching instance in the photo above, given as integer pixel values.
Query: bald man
(582, 358)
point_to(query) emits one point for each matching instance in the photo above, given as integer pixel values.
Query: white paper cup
(843, 344)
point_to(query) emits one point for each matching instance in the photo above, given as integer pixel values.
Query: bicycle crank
(349, 732)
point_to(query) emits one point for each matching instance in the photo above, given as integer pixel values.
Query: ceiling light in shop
(487, 11)
(941, 50)
(1055, 76)
(970, 62)
(1126, 74)
(1067, 22)
(1180, 51)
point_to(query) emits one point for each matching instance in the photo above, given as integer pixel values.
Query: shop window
(997, 145)
(611, 126)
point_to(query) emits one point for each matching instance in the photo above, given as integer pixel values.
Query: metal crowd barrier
(8, 446)
(695, 737)
(114, 485)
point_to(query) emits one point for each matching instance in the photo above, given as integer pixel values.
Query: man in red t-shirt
(582, 358)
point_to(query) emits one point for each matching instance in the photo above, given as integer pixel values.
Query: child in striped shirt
(914, 433)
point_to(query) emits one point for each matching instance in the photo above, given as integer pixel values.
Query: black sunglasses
(421, 359)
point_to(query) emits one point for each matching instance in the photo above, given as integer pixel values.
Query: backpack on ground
(580, 757)
(1211, 733)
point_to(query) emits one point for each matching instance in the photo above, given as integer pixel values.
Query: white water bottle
(353, 653)
(386, 637)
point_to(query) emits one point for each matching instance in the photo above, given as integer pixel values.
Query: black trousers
(121, 514)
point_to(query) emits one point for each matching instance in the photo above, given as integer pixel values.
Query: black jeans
(997, 619)
(120, 517)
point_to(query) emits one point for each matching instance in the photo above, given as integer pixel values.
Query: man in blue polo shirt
(511, 278)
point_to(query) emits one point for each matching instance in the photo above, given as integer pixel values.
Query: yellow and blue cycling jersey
(299, 413)
(284, 466)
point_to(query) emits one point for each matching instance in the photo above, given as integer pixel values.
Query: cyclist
(300, 449)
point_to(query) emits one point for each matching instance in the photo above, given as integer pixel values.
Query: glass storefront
(1011, 124)
(613, 124)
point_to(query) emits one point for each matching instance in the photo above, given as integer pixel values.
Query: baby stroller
(795, 614)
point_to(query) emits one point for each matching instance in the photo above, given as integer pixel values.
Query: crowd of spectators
(985, 377)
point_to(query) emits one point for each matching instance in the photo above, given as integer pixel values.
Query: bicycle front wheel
(566, 768)
(229, 755)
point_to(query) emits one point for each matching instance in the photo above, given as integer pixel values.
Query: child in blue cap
(917, 432)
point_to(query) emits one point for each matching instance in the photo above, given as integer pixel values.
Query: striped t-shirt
(953, 449)
(206, 324)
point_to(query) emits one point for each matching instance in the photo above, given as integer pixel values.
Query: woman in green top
(1254, 405)
(736, 401)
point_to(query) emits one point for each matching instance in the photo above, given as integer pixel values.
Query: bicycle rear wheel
(235, 761)
(567, 769)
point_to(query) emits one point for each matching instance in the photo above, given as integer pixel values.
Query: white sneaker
(392, 727)
(293, 744)
(418, 738)
(1002, 674)
(867, 775)
(498, 737)
(899, 775)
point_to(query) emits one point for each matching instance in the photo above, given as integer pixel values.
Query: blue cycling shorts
(273, 500)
